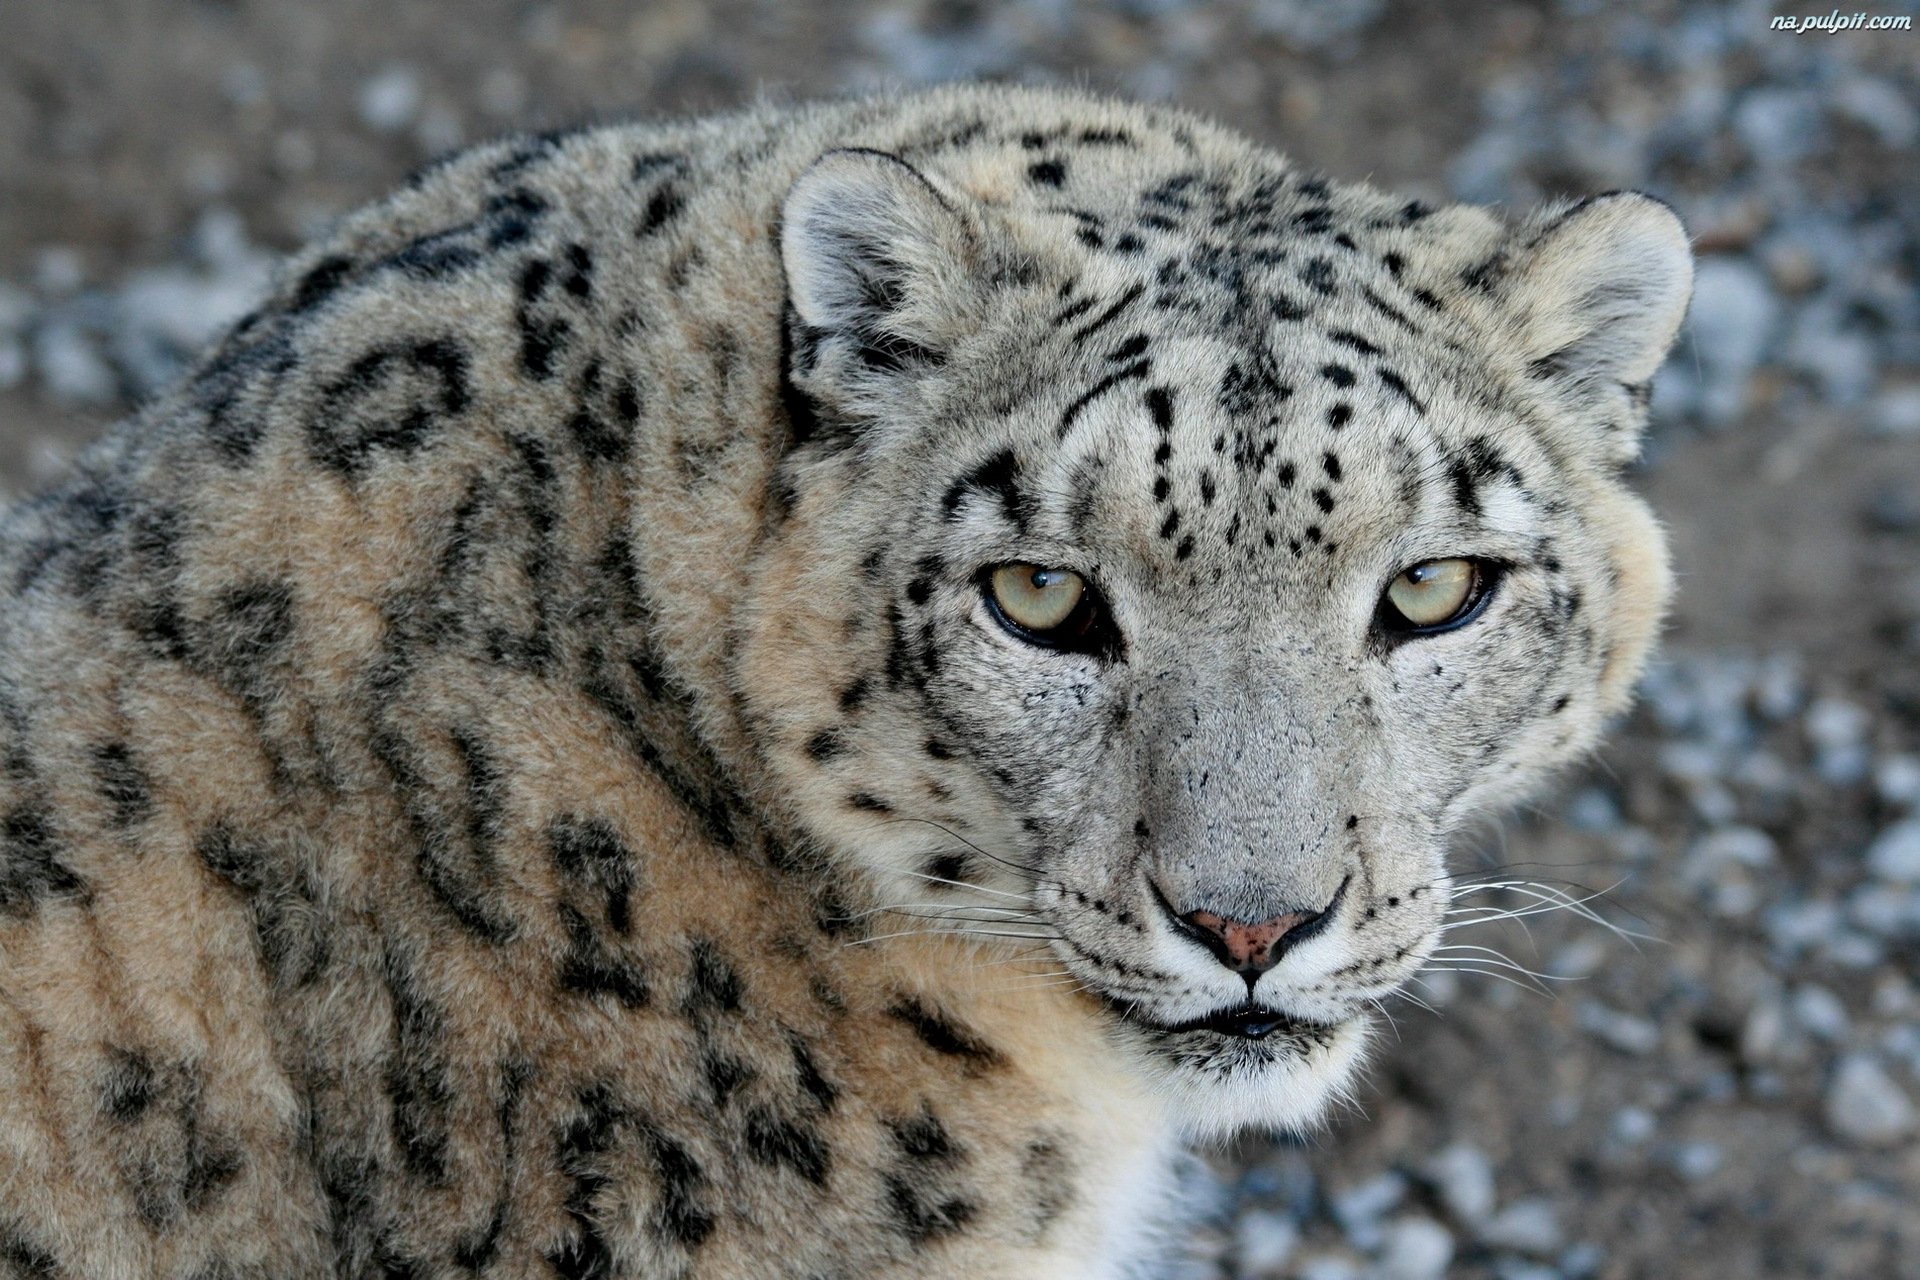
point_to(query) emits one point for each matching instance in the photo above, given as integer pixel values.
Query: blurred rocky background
(1709, 1069)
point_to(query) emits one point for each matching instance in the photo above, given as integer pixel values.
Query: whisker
(992, 857)
(962, 884)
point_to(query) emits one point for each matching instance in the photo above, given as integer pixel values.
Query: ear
(1595, 299)
(881, 279)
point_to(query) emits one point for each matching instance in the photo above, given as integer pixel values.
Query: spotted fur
(509, 770)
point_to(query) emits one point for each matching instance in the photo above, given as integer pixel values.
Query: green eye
(1037, 599)
(1434, 595)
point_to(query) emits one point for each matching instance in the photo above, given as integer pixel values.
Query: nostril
(1244, 947)
(1252, 948)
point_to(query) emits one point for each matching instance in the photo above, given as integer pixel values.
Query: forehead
(1279, 451)
(1252, 369)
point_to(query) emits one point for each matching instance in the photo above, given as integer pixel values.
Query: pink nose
(1249, 948)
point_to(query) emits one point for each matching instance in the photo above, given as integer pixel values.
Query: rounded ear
(1596, 297)
(880, 271)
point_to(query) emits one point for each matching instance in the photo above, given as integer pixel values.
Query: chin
(1217, 1086)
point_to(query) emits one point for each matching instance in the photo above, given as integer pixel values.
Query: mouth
(1247, 1023)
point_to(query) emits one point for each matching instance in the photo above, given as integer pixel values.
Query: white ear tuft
(880, 272)
(1600, 293)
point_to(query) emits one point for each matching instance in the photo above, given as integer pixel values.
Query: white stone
(71, 366)
(1895, 853)
(1633, 1125)
(1359, 1209)
(1896, 412)
(1897, 779)
(1263, 1241)
(1820, 1013)
(390, 99)
(1835, 723)
(1525, 1226)
(1745, 846)
(1881, 107)
(1415, 1248)
(1697, 1160)
(1629, 1033)
(1765, 1034)
(1864, 1106)
(1730, 322)
(1462, 1176)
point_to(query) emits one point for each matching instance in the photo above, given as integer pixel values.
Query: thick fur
(509, 769)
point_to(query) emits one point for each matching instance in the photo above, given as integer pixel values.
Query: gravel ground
(1711, 1068)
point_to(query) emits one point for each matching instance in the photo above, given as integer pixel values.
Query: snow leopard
(821, 692)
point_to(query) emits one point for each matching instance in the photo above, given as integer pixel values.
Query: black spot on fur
(129, 1087)
(1398, 386)
(596, 441)
(922, 1220)
(713, 984)
(997, 476)
(1138, 369)
(724, 1074)
(1251, 387)
(855, 694)
(590, 853)
(923, 1138)
(1160, 408)
(951, 867)
(24, 1257)
(942, 1035)
(391, 399)
(419, 1080)
(124, 785)
(1048, 173)
(1318, 276)
(825, 745)
(1108, 316)
(663, 206)
(778, 1142)
(1338, 374)
(1047, 1170)
(681, 1216)
(321, 281)
(289, 928)
(819, 1090)
(590, 968)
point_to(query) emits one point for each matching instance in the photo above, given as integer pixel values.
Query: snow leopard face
(1174, 556)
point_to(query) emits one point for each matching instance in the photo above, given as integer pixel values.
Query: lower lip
(1236, 1027)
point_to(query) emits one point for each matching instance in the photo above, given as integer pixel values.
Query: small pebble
(1263, 1241)
(1529, 1226)
(1629, 1033)
(389, 101)
(1820, 1013)
(1696, 1160)
(1895, 853)
(1864, 1106)
(1414, 1248)
(1462, 1176)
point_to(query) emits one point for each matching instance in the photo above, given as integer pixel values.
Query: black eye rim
(1487, 574)
(1088, 630)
